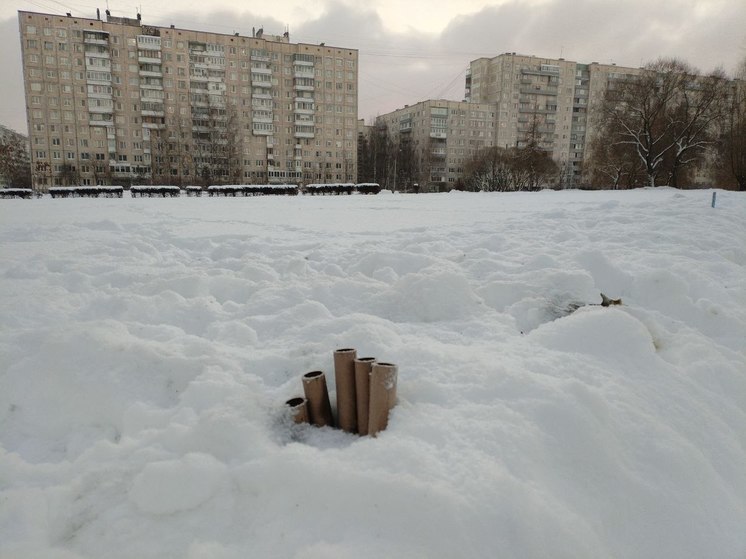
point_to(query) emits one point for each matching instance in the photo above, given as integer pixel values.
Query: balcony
(261, 95)
(530, 72)
(303, 73)
(299, 87)
(143, 45)
(97, 54)
(533, 110)
(542, 91)
(92, 95)
(438, 134)
(102, 122)
(303, 111)
(149, 59)
(260, 132)
(255, 70)
(439, 153)
(153, 113)
(96, 41)
(261, 58)
(100, 110)
(261, 83)
(263, 118)
(303, 134)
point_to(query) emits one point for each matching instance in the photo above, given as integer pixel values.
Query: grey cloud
(625, 32)
(13, 104)
(404, 68)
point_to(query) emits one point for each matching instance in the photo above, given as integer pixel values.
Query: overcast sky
(412, 50)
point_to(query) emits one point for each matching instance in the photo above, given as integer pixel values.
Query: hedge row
(86, 191)
(140, 191)
(16, 193)
(342, 188)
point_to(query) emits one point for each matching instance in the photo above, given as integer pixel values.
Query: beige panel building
(115, 102)
(435, 139)
(543, 100)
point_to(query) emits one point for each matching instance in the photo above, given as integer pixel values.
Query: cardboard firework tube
(363, 366)
(319, 408)
(383, 378)
(298, 409)
(344, 375)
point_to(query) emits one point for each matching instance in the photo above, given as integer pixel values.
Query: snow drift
(148, 346)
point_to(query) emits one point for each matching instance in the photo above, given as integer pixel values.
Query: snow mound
(607, 333)
(171, 486)
(148, 348)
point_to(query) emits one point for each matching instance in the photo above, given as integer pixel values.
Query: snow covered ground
(148, 345)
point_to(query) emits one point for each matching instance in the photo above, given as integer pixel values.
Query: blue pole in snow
(714, 194)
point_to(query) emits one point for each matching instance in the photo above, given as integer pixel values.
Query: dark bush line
(155, 191)
(341, 188)
(16, 193)
(86, 191)
(148, 191)
(252, 190)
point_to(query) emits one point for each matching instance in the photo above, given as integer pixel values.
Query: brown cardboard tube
(363, 366)
(319, 408)
(344, 375)
(383, 377)
(298, 409)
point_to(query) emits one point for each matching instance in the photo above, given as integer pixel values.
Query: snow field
(148, 347)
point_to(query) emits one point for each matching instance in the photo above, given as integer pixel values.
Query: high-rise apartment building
(547, 102)
(434, 139)
(116, 101)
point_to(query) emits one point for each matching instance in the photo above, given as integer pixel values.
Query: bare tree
(381, 151)
(15, 167)
(501, 169)
(613, 165)
(667, 112)
(735, 129)
(365, 170)
(69, 175)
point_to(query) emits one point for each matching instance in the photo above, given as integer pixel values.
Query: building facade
(433, 140)
(544, 101)
(117, 102)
